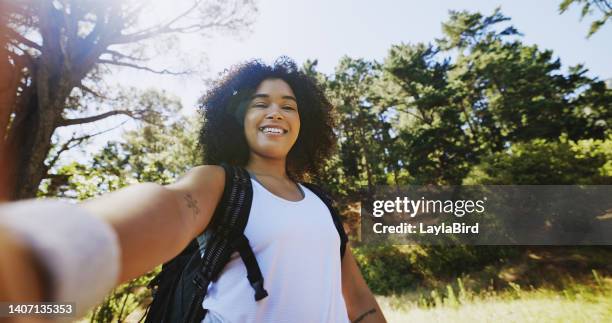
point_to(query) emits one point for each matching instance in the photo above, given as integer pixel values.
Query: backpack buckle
(260, 292)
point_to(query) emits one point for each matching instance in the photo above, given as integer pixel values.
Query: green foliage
(392, 269)
(386, 269)
(496, 93)
(465, 29)
(124, 300)
(435, 262)
(363, 129)
(425, 117)
(603, 6)
(587, 161)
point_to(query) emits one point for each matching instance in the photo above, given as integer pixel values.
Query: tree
(495, 93)
(434, 146)
(602, 6)
(362, 127)
(59, 51)
(159, 151)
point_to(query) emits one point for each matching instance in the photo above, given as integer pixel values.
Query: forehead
(274, 87)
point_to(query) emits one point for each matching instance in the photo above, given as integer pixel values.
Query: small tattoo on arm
(192, 204)
(362, 316)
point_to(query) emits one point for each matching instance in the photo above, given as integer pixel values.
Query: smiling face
(272, 121)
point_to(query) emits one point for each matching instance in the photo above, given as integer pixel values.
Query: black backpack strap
(224, 236)
(253, 272)
(328, 201)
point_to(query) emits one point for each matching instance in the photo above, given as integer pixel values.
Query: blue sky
(328, 30)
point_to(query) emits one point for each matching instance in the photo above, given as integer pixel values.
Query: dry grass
(576, 303)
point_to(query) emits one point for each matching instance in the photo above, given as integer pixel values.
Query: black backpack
(179, 289)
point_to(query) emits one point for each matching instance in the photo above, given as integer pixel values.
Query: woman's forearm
(360, 302)
(367, 310)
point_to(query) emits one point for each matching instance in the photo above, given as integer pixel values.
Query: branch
(155, 30)
(407, 111)
(77, 141)
(20, 38)
(70, 122)
(139, 67)
(118, 55)
(604, 6)
(167, 27)
(177, 18)
(65, 146)
(90, 91)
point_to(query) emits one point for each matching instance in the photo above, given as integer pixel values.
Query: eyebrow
(265, 96)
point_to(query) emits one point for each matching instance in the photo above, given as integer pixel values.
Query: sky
(328, 30)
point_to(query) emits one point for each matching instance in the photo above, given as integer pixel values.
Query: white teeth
(272, 130)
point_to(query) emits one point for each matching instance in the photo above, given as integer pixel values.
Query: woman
(276, 123)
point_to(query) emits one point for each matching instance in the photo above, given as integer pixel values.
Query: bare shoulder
(209, 174)
(199, 191)
(199, 179)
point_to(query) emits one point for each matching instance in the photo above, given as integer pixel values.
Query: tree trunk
(29, 138)
(38, 109)
(29, 142)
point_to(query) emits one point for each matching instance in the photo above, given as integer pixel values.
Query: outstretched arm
(154, 223)
(148, 224)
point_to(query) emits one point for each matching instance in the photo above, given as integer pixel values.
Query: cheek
(297, 126)
(250, 125)
(249, 134)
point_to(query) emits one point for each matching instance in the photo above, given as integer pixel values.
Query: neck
(260, 165)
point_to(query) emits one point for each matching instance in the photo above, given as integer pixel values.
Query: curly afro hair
(223, 108)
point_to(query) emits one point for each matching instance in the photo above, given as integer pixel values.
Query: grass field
(575, 303)
(589, 303)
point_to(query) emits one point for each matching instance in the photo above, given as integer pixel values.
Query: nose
(274, 113)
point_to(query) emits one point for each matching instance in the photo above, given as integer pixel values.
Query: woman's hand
(20, 275)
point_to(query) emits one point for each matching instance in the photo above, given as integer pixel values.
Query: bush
(563, 162)
(434, 262)
(386, 269)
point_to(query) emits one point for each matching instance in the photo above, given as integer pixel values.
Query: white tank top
(297, 247)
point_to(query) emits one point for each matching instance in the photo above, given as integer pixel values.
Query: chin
(272, 153)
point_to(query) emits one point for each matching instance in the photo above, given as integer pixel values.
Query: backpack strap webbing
(225, 235)
(328, 201)
(253, 272)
